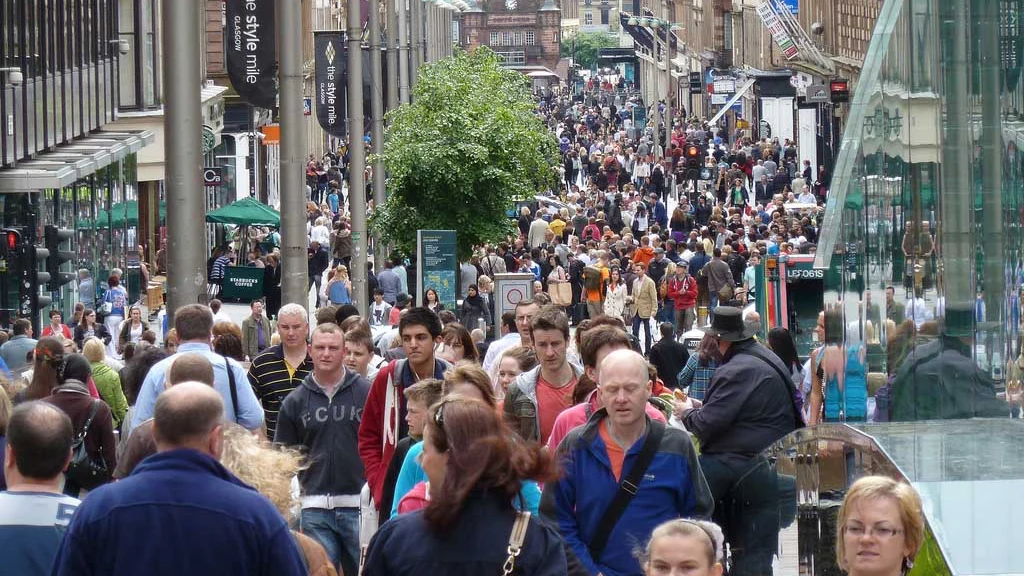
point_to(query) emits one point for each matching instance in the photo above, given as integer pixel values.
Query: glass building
(921, 252)
(926, 201)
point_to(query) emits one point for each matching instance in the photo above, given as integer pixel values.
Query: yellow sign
(742, 124)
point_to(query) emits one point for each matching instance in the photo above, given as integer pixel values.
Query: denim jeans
(338, 532)
(646, 323)
(713, 296)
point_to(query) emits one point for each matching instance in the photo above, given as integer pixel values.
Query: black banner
(329, 69)
(250, 50)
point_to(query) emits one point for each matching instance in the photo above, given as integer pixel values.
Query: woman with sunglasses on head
(476, 469)
(880, 528)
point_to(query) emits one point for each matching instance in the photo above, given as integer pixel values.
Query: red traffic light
(13, 239)
(692, 151)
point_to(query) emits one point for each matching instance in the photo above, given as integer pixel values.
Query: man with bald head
(209, 521)
(624, 473)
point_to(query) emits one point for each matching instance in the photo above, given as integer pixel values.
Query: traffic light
(53, 237)
(34, 280)
(693, 161)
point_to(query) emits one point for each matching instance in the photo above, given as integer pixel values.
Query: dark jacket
(669, 356)
(472, 310)
(939, 380)
(74, 399)
(477, 544)
(747, 405)
(99, 331)
(328, 429)
(210, 523)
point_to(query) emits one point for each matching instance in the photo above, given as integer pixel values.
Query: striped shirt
(272, 380)
(32, 525)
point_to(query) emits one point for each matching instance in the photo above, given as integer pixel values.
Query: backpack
(591, 278)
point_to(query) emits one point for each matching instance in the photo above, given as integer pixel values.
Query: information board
(437, 266)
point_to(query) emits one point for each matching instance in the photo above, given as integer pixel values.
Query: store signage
(212, 176)
(839, 90)
(251, 52)
(719, 99)
(1010, 45)
(329, 67)
(818, 94)
(437, 264)
(771, 20)
(724, 86)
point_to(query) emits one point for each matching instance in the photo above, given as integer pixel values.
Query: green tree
(587, 46)
(467, 147)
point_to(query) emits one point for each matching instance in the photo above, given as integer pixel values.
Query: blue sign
(437, 265)
(793, 5)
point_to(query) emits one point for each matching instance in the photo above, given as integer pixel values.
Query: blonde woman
(270, 470)
(880, 528)
(107, 380)
(339, 288)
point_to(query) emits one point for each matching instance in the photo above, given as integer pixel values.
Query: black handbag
(83, 471)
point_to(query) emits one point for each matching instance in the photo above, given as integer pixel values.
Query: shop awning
(70, 162)
(640, 34)
(735, 98)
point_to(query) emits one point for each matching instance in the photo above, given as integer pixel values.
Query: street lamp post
(656, 24)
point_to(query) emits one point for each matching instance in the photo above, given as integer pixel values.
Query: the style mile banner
(250, 51)
(329, 67)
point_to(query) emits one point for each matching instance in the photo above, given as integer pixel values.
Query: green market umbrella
(245, 212)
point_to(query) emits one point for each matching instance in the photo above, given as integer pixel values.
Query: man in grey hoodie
(321, 417)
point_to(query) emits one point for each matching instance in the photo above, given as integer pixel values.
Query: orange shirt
(598, 295)
(616, 453)
(551, 401)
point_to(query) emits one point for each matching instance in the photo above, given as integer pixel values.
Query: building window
(588, 18)
(512, 57)
(530, 38)
(586, 2)
(517, 38)
(494, 38)
(139, 68)
(506, 38)
(604, 16)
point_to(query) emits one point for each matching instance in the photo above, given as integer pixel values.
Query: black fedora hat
(728, 325)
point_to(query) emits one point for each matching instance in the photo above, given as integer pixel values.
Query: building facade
(62, 162)
(524, 33)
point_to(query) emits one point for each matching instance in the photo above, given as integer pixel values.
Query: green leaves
(459, 156)
(585, 46)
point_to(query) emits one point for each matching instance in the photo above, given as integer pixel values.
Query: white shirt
(918, 311)
(222, 316)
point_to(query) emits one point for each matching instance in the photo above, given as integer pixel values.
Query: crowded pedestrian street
(525, 288)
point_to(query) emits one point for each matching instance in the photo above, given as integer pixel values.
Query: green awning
(245, 212)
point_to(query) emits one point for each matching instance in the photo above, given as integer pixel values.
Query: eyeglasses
(880, 532)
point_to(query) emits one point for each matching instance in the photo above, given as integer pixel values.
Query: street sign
(719, 99)
(212, 176)
(818, 94)
(724, 85)
(696, 86)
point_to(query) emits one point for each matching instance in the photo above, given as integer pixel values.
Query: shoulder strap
(88, 421)
(231, 383)
(787, 380)
(515, 541)
(627, 489)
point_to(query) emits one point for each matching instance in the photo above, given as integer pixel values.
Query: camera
(15, 78)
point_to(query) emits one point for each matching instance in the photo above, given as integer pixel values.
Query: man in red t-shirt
(537, 397)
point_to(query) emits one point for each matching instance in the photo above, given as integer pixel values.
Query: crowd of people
(423, 463)
(406, 441)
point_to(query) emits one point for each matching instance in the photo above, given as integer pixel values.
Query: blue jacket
(673, 487)
(180, 512)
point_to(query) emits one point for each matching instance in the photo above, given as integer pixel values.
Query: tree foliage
(587, 47)
(458, 157)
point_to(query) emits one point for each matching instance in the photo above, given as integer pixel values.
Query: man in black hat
(940, 379)
(748, 406)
